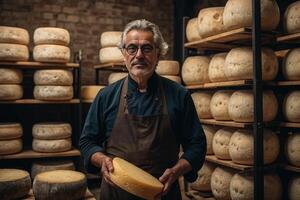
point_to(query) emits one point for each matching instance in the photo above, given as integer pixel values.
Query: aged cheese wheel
(204, 178)
(110, 39)
(167, 67)
(210, 21)
(239, 64)
(219, 104)
(53, 92)
(53, 77)
(59, 185)
(10, 146)
(135, 180)
(291, 64)
(291, 106)
(10, 76)
(51, 35)
(216, 68)
(220, 182)
(51, 131)
(14, 35)
(240, 106)
(192, 33)
(177, 79)
(114, 77)
(51, 53)
(202, 104)
(209, 132)
(13, 52)
(10, 92)
(292, 149)
(238, 14)
(294, 188)
(241, 146)
(291, 18)
(90, 91)
(52, 146)
(195, 70)
(14, 183)
(110, 55)
(10, 131)
(220, 143)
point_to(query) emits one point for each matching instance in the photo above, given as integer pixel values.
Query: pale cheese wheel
(53, 92)
(216, 68)
(209, 132)
(51, 35)
(220, 182)
(291, 65)
(291, 106)
(13, 52)
(219, 104)
(110, 39)
(241, 147)
(167, 67)
(114, 77)
(202, 104)
(238, 14)
(10, 76)
(14, 35)
(240, 106)
(51, 131)
(135, 180)
(292, 149)
(195, 70)
(14, 183)
(204, 178)
(51, 53)
(59, 185)
(110, 55)
(294, 188)
(291, 18)
(53, 77)
(10, 131)
(220, 143)
(52, 146)
(10, 146)
(176, 79)
(90, 91)
(10, 92)
(192, 33)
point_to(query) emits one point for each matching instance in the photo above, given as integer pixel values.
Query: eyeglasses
(132, 49)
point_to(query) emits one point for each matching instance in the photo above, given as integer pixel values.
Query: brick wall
(86, 20)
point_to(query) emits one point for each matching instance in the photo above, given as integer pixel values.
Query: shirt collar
(152, 84)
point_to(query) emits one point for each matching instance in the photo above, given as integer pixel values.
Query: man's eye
(147, 49)
(131, 49)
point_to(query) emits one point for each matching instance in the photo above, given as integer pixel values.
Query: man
(143, 119)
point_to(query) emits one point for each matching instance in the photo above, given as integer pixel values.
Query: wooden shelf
(35, 101)
(289, 38)
(34, 65)
(198, 195)
(112, 66)
(227, 163)
(221, 84)
(87, 100)
(288, 83)
(290, 168)
(290, 124)
(226, 123)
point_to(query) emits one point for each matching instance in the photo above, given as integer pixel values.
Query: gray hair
(144, 25)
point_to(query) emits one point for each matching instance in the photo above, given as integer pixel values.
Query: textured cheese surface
(53, 92)
(291, 106)
(53, 77)
(292, 149)
(216, 68)
(220, 143)
(291, 64)
(10, 76)
(51, 146)
(219, 104)
(294, 188)
(220, 182)
(61, 176)
(110, 55)
(10, 131)
(14, 35)
(13, 52)
(51, 53)
(209, 132)
(114, 77)
(51, 131)
(51, 35)
(192, 33)
(110, 39)
(204, 177)
(202, 104)
(10, 92)
(135, 180)
(291, 18)
(167, 67)
(90, 91)
(10, 146)
(177, 79)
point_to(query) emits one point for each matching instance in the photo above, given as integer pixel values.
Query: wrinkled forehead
(139, 37)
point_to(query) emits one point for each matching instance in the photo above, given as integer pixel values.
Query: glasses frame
(139, 47)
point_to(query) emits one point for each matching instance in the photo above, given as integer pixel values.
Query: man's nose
(139, 53)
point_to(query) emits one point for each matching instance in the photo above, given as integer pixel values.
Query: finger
(109, 165)
(165, 176)
(166, 188)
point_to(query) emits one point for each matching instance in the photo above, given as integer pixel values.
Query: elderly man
(143, 118)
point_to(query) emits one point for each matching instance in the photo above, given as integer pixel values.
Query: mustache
(140, 62)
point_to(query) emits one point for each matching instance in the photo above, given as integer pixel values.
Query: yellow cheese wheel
(292, 149)
(220, 182)
(110, 55)
(52, 146)
(202, 104)
(204, 178)
(291, 106)
(10, 146)
(114, 77)
(209, 132)
(10, 131)
(13, 52)
(192, 33)
(51, 130)
(291, 18)
(216, 68)
(10, 76)
(53, 77)
(195, 70)
(10, 92)
(291, 65)
(51, 53)
(53, 92)
(294, 188)
(219, 104)
(14, 35)
(167, 67)
(89, 92)
(51, 35)
(110, 39)
(220, 143)
(176, 79)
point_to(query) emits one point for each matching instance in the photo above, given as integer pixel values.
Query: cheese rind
(90, 91)
(51, 35)
(219, 104)
(52, 146)
(192, 33)
(220, 182)
(294, 188)
(51, 131)
(10, 131)
(216, 68)
(14, 35)
(203, 182)
(110, 55)
(53, 77)
(10, 92)
(13, 52)
(291, 106)
(195, 70)
(202, 104)
(291, 65)
(220, 143)
(292, 149)
(110, 39)
(51, 53)
(291, 18)
(10, 146)
(10, 76)
(209, 132)
(53, 92)
(167, 67)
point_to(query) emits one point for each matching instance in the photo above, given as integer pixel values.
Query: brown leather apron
(146, 141)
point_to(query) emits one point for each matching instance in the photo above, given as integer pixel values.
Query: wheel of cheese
(219, 104)
(51, 53)
(167, 67)
(53, 92)
(202, 103)
(10, 92)
(13, 52)
(10, 76)
(294, 188)
(241, 146)
(110, 39)
(14, 183)
(14, 35)
(291, 18)
(238, 14)
(220, 182)
(53, 77)
(220, 143)
(195, 70)
(176, 79)
(210, 21)
(114, 77)
(110, 55)
(204, 178)
(209, 132)
(291, 65)
(192, 33)
(51, 131)
(240, 106)
(239, 64)
(59, 185)
(216, 68)
(10, 131)
(51, 35)
(135, 180)
(52, 146)
(10, 146)
(90, 91)
(291, 106)
(292, 149)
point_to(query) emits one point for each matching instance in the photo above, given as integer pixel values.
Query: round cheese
(220, 143)
(216, 68)
(110, 55)
(114, 77)
(135, 180)
(238, 14)
(14, 183)
(204, 178)
(209, 132)
(240, 106)
(51, 131)
(219, 104)
(195, 70)
(241, 147)
(53, 92)
(192, 33)
(51, 53)
(291, 106)
(10, 131)
(167, 67)
(14, 35)
(13, 52)
(59, 185)
(202, 104)
(51, 35)
(52, 146)
(10, 76)
(291, 18)
(176, 79)
(53, 77)
(90, 91)
(292, 149)
(294, 188)
(291, 65)
(220, 182)
(10, 146)
(10, 92)
(110, 39)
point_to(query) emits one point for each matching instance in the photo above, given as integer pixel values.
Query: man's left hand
(168, 178)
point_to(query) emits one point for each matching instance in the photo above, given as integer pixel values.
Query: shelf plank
(198, 195)
(290, 168)
(289, 37)
(112, 66)
(227, 163)
(87, 100)
(290, 124)
(288, 83)
(226, 123)
(35, 101)
(34, 65)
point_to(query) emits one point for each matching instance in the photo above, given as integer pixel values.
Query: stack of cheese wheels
(14, 183)
(169, 69)
(51, 137)
(44, 166)
(294, 188)
(202, 104)
(10, 138)
(192, 33)
(241, 146)
(204, 177)
(53, 84)
(10, 80)
(14, 44)
(110, 52)
(216, 68)
(219, 105)
(116, 76)
(51, 45)
(220, 182)
(89, 92)
(291, 106)
(220, 143)
(209, 132)
(291, 18)
(195, 70)
(238, 14)
(242, 187)
(60, 185)
(291, 65)
(292, 149)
